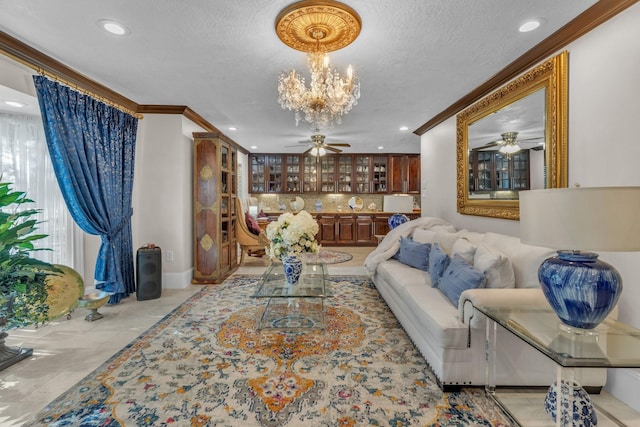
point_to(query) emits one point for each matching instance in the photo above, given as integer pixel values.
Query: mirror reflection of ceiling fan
(318, 146)
(510, 144)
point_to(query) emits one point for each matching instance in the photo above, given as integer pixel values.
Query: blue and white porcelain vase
(580, 288)
(292, 269)
(583, 413)
(397, 219)
(318, 205)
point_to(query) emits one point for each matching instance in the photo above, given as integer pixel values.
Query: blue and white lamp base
(583, 413)
(581, 289)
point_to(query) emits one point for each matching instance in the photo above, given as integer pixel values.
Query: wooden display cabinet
(215, 219)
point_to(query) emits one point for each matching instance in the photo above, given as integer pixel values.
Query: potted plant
(23, 286)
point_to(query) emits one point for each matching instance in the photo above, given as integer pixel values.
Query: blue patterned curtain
(92, 147)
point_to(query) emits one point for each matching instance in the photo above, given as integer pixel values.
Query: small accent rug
(205, 364)
(329, 256)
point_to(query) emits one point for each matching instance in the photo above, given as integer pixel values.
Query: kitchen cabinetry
(266, 173)
(364, 230)
(346, 229)
(326, 229)
(335, 173)
(214, 201)
(349, 229)
(405, 173)
(293, 173)
(310, 174)
(495, 171)
(328, 174)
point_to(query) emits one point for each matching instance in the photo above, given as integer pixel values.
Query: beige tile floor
(65, 350)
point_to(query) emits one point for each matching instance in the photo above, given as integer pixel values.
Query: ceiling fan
(318, 146)
(510, 144)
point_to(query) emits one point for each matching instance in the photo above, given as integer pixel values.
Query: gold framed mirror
(513, 139)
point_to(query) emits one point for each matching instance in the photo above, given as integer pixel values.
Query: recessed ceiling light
(380, 147)
(403, 128)
(254, 147)
(233, 128)
(113, 27)
(16, 104)
(529, 26)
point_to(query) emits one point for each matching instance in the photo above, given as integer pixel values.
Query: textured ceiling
(221, 58)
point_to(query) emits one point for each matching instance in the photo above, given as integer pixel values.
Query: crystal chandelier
(318, 27)
(326, 100)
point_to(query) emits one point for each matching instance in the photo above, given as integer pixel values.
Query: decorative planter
(583, 413)
(292, 269)
(397, 219)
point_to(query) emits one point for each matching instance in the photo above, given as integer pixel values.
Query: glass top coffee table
(299, 306)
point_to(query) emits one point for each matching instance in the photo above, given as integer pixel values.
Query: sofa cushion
(458, 277)
(446, 239)
(438, 262)
(427, 307)
(414, 254)
(525, 258)
(465, 249)
(496, 266)
(391, 270)
(423, 235)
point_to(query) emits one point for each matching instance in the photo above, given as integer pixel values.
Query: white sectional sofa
(452, 338)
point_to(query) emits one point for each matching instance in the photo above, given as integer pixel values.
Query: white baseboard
(177, 280)
(623, 384)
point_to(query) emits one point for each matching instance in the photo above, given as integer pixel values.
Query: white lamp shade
(585, 219)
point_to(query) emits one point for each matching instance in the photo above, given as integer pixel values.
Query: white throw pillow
(422, 235)
(465, 249)
(496, 266)
(446, 239)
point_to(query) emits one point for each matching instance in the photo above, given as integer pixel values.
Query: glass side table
(300, 306)
(612, 344)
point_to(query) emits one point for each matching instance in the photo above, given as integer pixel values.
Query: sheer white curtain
(25, 162)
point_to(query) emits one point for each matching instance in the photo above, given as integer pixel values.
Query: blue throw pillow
(458, 277)
(414, 254)
(438, 262)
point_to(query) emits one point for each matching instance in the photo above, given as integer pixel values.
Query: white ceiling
(222, 58)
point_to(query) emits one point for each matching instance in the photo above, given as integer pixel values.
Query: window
(25, 162)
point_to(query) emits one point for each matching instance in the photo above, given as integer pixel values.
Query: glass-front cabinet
(380, 173)
(266, 173)
(362, 174)
(495, 171)
(328, 174)
(345, 173)
(293, 174)
(257, 173)
(310, 174)
(352, 173)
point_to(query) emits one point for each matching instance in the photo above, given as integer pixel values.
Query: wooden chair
(246, 239)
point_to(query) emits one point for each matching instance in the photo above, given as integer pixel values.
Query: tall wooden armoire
(215, 166)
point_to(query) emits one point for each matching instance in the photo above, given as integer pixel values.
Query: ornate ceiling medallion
(318, 26)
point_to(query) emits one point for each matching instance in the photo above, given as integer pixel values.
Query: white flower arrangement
(292, 235)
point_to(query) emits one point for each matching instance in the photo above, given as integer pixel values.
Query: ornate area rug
(329, 256)
(205, 364)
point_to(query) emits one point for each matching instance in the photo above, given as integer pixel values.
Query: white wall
(162, 197)
(604, 148)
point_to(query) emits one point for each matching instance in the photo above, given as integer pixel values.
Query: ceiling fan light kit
(509, 143)
(318, 27)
